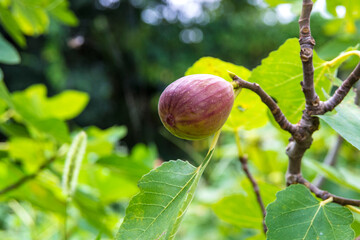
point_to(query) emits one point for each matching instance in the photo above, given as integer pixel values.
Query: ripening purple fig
(196, 106)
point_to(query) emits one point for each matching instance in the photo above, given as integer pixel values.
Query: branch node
(306, 54)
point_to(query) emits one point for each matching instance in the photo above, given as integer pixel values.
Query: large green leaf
(67, 104)
(46, 115)
(297, 214)
(151, 213)
(165, 194)
(8, 53)
(242, 209)
(11, 26)
(64, 106)
(280, 75)
(29, 152)
(346, 122)
(215, 66)
(31, 17)
(248, 111)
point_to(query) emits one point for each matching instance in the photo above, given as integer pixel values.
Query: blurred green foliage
(104, 69)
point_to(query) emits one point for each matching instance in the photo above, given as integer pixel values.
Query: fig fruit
(196, 106)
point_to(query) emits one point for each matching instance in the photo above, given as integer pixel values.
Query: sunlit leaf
(32, 19)
(165, 194)
(67, 104)
(55, 128)
(274, 3)
(11, 26)
(280, 75)
(296, 214)
(30, 152)
(248, 111)
(151, 213)
(215, 66)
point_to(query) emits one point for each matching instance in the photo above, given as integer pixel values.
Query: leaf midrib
(166, 207)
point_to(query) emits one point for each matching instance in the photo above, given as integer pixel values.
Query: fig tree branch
(307, 44)
(269, 102)
(26, 178)
(325, 195)
(301, 140)
(341, 92)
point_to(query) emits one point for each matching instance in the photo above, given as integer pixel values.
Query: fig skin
(196, 106)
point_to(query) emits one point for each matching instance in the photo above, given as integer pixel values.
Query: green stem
(209, 154)
(342, 57)
(354, 209)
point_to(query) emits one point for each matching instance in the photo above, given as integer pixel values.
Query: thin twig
(244, 165)
(341, 92)
(270, 103)
(325, 195)
(330, 160)
(26, 178)
(244, 160)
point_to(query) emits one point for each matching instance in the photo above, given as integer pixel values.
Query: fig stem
(214, 140)
(235, 85)
(268, 101)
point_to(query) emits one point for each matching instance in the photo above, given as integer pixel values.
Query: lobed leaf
(297, 214)
(11, 26)
(280, 75)
(67, 104)
(165, 194)
(151, 213)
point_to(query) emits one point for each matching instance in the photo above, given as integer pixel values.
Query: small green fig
(196, 106)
